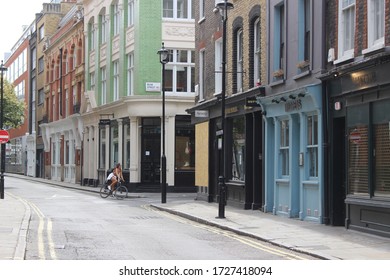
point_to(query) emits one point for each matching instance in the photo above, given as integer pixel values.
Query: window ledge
(282, 181)
(276, 83)
(373, 49)
(201, 20)
(344, 58)
(301, 75)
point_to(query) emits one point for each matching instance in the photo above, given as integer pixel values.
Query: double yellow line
(243, 239)
(41, 229)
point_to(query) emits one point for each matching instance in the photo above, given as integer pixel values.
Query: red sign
(4, 136)
(355, 137)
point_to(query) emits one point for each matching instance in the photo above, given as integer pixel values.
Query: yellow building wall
(202, 155)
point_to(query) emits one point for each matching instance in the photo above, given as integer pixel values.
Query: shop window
(126, 153)
(312, 144)
(358, 160)
(102, 148)
(238, 149)
(114, 145)
(185, 144)
(284, 147)
(382, 158)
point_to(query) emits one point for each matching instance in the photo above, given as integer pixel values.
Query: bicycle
(120, 191)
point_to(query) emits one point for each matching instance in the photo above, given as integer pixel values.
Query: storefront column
(170, 149)
(269, 163)
(90, 152)
(120, 141)
(134, 149)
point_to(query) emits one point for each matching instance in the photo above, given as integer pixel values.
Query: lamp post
(164, 58)
(2, 70)
(223, 8)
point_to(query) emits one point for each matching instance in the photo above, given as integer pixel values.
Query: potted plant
(303, 65)
(278, 74)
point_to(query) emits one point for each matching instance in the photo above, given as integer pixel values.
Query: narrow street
(75, 225)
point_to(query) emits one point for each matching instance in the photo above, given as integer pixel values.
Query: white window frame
(103, 28)
(67, 103)
(130, 74)
(218, 66)
(343, 53)
(375, 25)
(173, 7)
(115, 76)
(202, 74)
(240, 60)
(115, 18)
(257, 53)
(130, 13)
(92, 34)
(201, 9)
(92, 81)
(176, 66)
(103, 89)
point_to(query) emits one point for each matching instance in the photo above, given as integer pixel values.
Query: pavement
(321, 241)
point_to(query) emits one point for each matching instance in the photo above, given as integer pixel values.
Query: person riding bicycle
(114, 176)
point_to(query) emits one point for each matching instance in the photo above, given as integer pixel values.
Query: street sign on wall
(4, 136)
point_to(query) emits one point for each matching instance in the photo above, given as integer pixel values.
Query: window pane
(284, 148)
(168, 9)
(181, 79)
(185, 144)
(238, 143)
(182, 9)
(382, 159)
(358, 160)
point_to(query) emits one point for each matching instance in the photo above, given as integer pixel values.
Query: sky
(15, 14)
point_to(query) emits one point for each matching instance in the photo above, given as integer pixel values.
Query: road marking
(41, 228)
(50, 239)
(245, 240)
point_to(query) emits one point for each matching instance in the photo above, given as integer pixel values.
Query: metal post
(163, 157)
(2, 70)
(164, 58)
(221, 178)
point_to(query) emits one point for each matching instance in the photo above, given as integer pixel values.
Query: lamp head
(164, 54)
(223, 7)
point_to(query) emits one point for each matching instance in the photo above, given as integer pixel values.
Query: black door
(151, 151)
(339, 179)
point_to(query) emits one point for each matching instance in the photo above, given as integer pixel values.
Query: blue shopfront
(293, 181)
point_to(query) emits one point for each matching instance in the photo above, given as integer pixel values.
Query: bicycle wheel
(120, 192)
(104, 191)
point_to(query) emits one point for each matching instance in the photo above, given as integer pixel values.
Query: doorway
(338, 214)
(151, 151)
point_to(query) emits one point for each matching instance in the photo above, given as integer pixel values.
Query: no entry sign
(4, 136)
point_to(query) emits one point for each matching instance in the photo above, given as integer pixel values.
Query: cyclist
(114, 176)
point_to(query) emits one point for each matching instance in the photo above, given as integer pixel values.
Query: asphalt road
(75, 225)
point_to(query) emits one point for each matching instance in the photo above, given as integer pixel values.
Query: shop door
(338, 214)
(151, 151)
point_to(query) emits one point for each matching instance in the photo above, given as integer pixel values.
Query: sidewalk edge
(240, 232)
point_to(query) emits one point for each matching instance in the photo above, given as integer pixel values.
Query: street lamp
(223, 8)
(164, 58)
(2, 70)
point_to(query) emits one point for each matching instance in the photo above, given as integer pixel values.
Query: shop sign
(293, 105)
(201, 113)
(251, 102)
(104, 122)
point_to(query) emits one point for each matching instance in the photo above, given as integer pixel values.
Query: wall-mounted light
(301, 94)
(336, 74)
(291, 96)
(275, 101)
(283, 99)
